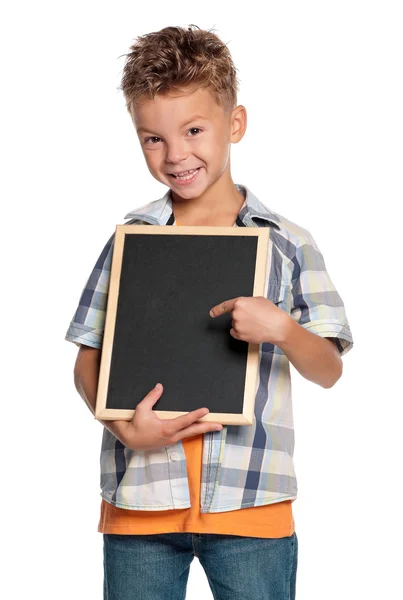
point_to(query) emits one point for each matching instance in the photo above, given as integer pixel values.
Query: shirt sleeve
(316, 304)
(88, 322)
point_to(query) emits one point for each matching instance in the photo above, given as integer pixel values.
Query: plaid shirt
(242, 466)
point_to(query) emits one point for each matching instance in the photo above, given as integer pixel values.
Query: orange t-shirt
(268, 521)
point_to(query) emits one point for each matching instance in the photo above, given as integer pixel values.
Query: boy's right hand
(146, 431)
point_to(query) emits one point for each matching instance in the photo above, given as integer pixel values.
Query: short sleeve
(316, 304)
(88, 322)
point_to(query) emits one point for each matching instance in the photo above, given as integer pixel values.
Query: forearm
(315, 358)
(86, 374)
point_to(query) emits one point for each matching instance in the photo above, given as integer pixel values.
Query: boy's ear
(238, 124)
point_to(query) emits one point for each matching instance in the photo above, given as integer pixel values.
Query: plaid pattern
(243, 466)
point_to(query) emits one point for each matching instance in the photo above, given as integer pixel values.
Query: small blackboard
(164, 281)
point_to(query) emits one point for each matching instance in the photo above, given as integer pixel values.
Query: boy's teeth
(185, 174)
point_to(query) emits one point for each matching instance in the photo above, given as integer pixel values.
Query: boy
(183, 487)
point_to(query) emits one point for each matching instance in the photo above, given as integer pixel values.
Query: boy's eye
(152, 140)
(194, 129)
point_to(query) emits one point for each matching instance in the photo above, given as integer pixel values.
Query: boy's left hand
(255, 319)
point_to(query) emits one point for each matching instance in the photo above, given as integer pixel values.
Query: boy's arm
(316, 332)
(86, 331)
(86, 374)
(316, 358)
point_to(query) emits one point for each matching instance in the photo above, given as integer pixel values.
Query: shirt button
(174, 456)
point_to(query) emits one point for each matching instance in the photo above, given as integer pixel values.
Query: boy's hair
(174, 58)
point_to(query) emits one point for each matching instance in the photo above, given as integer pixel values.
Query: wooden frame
(246, 418)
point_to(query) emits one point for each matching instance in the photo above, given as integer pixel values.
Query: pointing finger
(224, 307)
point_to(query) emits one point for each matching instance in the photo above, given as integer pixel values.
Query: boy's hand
(146, 431)
(255, 319)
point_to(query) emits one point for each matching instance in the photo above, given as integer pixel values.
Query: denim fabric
(156, 566)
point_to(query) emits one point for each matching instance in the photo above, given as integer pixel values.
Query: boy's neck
(219, 205)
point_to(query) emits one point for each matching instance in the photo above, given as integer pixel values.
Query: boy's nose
(176, 153)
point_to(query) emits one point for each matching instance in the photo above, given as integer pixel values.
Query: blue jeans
(156, 566)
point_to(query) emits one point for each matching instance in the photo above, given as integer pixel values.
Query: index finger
(224, 307)
(183, 421)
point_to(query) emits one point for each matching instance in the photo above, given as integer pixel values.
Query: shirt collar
(159, 211)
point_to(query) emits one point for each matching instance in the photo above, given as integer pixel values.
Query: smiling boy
(196, 137)
(180, 488)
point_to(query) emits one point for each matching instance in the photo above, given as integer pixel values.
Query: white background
(322, 84)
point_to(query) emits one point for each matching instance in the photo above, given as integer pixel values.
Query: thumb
(151, 398)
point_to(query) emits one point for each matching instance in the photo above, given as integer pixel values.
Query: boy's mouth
(185, 175)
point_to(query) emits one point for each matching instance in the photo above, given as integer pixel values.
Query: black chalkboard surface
(164, 281)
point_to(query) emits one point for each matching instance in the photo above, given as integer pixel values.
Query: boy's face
(187, 132)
